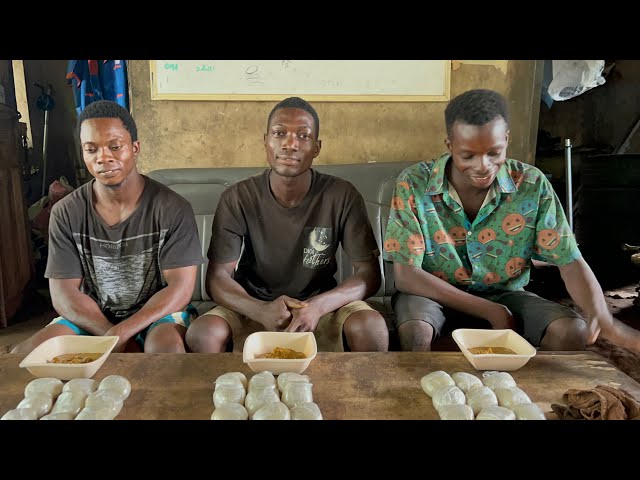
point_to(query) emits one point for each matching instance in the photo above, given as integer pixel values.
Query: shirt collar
(438, 179)
(505, 182)
(491, 194)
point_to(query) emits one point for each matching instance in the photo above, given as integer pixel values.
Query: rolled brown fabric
(600, 403)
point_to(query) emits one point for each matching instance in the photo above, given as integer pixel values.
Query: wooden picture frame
(314, 80)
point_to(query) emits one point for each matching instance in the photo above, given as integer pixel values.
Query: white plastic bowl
(467, 338)
(36, 361)
(262, 342)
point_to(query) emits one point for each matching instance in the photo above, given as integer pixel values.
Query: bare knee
(366, 331)
(208, 334)
(565, 334)
(165, 338)
(415, 336)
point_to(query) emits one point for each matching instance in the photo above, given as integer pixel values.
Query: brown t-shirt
(290, 251)
(121, 266)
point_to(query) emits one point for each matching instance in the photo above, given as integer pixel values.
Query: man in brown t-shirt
(123, 248)
(273, 245)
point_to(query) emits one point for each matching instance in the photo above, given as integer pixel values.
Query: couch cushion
(202, 187)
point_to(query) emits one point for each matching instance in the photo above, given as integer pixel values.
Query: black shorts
(532, 313)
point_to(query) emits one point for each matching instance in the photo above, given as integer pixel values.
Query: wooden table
(346, 385)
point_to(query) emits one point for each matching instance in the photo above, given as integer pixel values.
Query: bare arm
(364, 282)
(77, 307)
(585, 290)
(173, 298)
(225, 291)
(416, 281)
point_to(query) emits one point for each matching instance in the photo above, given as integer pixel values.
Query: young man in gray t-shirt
(123, 248)
(272, 252)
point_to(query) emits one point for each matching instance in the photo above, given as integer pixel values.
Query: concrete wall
(177, 134)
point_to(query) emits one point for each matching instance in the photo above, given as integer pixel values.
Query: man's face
(107, 150)
(291, 142)
(478, 152)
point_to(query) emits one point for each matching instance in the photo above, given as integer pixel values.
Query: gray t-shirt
(290, 251)
(121, 266)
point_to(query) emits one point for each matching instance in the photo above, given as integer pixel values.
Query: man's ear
(136, 149)
(507, 139)
(447, 142)
(318, 147)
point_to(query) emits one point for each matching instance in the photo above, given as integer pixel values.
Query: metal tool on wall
(45, 103)
(568, 182)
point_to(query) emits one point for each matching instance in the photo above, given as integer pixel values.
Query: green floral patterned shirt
(521, 219)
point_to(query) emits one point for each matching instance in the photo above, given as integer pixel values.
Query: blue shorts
(181, 318)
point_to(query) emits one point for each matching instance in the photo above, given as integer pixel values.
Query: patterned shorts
(180, 318)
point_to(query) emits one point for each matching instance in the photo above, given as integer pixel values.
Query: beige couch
(203, 187)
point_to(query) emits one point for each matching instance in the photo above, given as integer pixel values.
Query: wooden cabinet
(16, 263)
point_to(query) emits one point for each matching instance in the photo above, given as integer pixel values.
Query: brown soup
(75, 358)
(492, 350)
(282, 353)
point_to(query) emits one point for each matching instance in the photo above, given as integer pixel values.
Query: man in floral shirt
(464, 228)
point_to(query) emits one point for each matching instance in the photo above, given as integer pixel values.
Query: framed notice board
(314, 80)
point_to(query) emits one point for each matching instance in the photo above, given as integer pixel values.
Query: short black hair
(297, 102)
(476, 107)
(109, 109)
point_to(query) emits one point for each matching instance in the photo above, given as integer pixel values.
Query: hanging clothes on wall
(94, 80)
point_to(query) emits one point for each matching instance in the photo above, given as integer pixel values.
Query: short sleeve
(555, 242)
(228, 229)
(358, 240)
(182, 245)
(63, 259)
(404, 242)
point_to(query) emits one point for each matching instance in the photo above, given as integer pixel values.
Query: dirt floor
(37, 312)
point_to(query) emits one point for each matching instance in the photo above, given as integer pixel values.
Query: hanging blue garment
(93, 80)
(113, 79)
(75, 78)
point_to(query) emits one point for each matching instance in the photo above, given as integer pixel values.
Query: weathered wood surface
(346, 385)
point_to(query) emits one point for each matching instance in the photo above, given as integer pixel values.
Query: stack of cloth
(600, 403)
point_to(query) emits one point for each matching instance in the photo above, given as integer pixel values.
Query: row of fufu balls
(290, 397)
(79, 399)
(463, 396)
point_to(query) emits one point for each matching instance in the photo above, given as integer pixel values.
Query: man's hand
(304, 319)
(500, 317)
(118, 331)
(600, 323)
(276, 315)
(614, 331)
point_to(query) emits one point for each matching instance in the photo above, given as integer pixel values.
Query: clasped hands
(290, 315)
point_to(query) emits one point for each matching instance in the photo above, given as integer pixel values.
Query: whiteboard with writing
(320, 80)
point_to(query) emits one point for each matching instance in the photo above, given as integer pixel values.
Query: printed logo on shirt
(317, 251)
